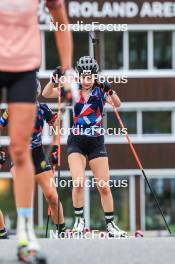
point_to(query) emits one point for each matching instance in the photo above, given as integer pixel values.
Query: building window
(113, 50)
(165, 190)
(81, 48)
(157, 122)
(52, 60)
(163, 50)
(129, 119)
(138, 50)
(81, 45)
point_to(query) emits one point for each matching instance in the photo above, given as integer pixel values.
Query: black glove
(52, 120)
(57, 73)
(2, 157)
(54, 155)
(108, 88)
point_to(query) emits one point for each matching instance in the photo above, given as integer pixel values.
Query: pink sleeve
(53, 3)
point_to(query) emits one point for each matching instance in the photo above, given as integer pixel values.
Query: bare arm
(49, 91)
(63, 38)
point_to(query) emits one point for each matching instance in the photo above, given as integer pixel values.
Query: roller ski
(3, 234)
(30, 254)
(114, 231)
(79, 227)
(28, 250)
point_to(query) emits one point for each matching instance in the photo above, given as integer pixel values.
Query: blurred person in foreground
(20, 57)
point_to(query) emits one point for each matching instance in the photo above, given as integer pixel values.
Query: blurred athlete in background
(3, 230)
(2, 157)
(20, 56)
(42, 167)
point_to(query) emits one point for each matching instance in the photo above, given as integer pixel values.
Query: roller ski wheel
(103, 235)
(86, 230)
(87, 233)
(139, 233)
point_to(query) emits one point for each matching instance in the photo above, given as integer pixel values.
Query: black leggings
(21, 87)
(40, 161)
(92, 147)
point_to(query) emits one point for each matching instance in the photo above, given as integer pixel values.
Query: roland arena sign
(133, 11)
(121, 9)
(137, 11)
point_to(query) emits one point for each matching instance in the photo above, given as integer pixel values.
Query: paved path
(98, 251)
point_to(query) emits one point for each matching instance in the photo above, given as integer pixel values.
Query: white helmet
(87, 65)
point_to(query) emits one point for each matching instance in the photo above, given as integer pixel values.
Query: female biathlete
(87, 141)
(43, 169)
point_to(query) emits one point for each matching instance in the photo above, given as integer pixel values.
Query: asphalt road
(99, 251)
